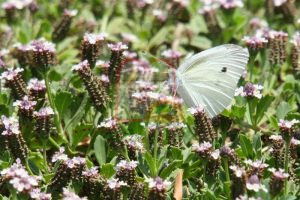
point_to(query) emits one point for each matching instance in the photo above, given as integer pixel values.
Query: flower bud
(158, 188)
(203, 125)
(134, 145)
(91, 47)
(278, 42)
(25, 107)
(44, 123)
(175, 135)
(62, 27)
(116, 57)
(125, 171)
(41, 54)
(14, 81)
(93, 84)
(14, 138)
(92, 183)
(113, 131)
(36, 88)
(113, 189)
(137, 192)
(287, 128)
(238, 177)
(277, 181)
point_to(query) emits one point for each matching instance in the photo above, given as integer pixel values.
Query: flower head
(108, 123)
(82, 66)
(249, 90)
(36, 85)
(230, 4)
(172, 54)
(286, 124)
(253, 183)
(176, 126)
(60, 155)
(278, 3)
(19, 178)
(197, 110)
(68, 195)
(37, 194)
(11, 74)
(115, 184)
(41, 45)
(127, 165)
(117, 46)
(44, 112)
(255, 42)
(160, 15)
(92, 172)
(203, 148)
(279, 174)
(134, 142)
(94, 38)
(238, 171)
(11, 125)
(25, 104)
(158, 184)
(146, 86)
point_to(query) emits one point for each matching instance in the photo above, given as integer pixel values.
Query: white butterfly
(209, 78)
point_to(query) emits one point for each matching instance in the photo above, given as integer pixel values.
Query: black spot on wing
(224, 69)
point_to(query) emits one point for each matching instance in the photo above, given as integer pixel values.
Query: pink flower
(158, 184)
(11, 74)
(93, 38)
(249, 90)
(114, 183)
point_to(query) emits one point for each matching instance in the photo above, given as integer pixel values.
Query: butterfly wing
(209, 78)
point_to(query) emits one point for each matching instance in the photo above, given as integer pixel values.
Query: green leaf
(170, 168)
(257, 144)
(262, 107)
(176, 153)
(201, 42)
(160, 36)
(151, 163)
(62, 101)
(238, 111)
(282, 110)
(107, 170)
(100, 150)
(79, 133)
(246, 146)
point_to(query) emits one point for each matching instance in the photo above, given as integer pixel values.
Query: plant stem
(56, 116)
(155, 148)
(45, 158)
(52, 141)
(226, 168)
(286, 163)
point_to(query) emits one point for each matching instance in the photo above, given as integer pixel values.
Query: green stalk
(286, 163)
(45, 157)
(155, 148)
(226, 169)
(52, 141)
(52, 104)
